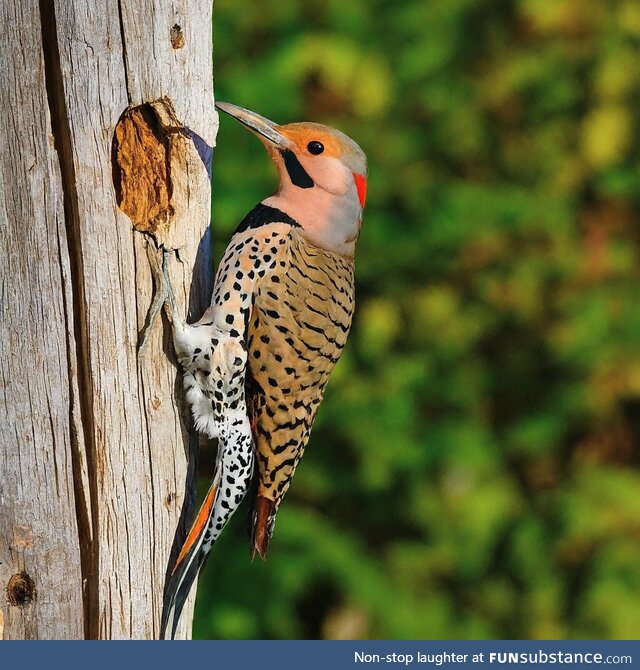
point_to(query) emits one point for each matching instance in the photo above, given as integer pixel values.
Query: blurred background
(475, 468)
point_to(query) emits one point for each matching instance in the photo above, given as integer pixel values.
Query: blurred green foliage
(474, 470)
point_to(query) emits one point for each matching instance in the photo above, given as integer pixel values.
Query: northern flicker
(257, 363)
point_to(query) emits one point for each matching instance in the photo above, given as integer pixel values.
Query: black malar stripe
(298, 175)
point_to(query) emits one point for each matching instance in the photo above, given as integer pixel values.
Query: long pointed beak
(257, 124)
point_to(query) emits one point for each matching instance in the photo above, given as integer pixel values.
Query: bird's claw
(163, 294)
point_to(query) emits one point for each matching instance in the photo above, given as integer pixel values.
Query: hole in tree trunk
(148, 145)
(21, 590)
(177, 37)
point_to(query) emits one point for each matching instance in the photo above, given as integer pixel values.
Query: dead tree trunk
(95, 99)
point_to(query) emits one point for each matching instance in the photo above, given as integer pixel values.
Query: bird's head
(323, 177)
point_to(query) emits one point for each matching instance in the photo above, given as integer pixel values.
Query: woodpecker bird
(257, 363)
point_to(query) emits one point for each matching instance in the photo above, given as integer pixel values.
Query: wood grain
(94, 459)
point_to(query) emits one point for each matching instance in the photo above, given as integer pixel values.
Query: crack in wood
(86, 511)
(123, 40)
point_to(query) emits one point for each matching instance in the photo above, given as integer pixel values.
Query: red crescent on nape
(361, 187)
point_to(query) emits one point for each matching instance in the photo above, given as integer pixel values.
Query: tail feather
(199, 525)
(262, 527)
(190, 560)
(234, 470)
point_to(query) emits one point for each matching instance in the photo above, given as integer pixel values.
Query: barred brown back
(299, 325)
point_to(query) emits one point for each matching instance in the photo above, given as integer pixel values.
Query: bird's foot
(163, 294)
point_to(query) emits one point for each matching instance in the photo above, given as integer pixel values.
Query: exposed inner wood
(148, 147)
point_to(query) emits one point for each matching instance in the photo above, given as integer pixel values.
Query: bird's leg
(163, 295)
(170, 298)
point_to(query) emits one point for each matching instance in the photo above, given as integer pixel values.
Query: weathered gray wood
(103, 57)
(38, 396)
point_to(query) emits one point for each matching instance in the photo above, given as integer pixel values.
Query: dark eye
(315, 147)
